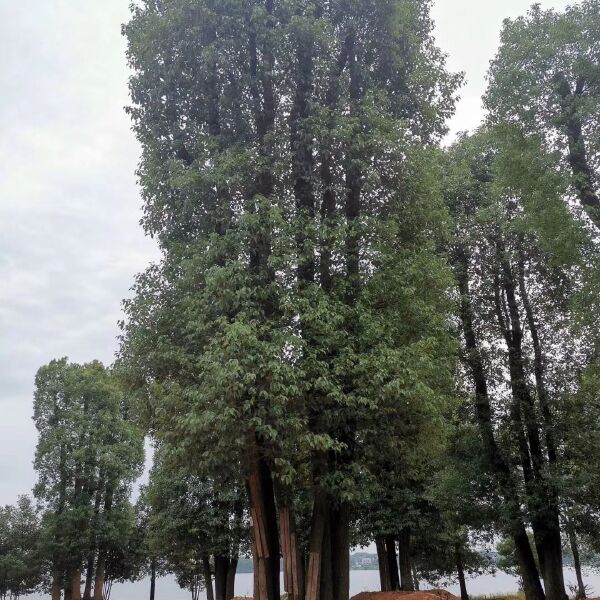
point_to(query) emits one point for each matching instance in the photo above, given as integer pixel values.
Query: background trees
(87, 456)
(21, 559)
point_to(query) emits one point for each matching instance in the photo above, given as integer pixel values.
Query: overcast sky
(70, 242)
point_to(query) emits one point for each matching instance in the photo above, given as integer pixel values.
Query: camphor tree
(546, 79)
(285, 178)
(88, 454)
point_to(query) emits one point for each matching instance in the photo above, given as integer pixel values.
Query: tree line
(354, 335)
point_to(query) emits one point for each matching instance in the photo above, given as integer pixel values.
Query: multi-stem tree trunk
(543, 499)
(265, 534)
(497, 463)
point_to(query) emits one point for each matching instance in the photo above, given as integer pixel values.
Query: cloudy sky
(70, 242)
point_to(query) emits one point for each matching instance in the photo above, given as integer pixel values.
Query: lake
(360, 581)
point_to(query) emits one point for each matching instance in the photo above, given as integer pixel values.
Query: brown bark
(292, 561)
(56, 586)
(99, 579)
(317, 535)
(75, 584)
(265, 535)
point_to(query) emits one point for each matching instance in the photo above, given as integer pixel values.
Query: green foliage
(87, 457)
(21, 562)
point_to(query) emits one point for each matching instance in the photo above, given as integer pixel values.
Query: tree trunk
(460, 569)
(316, 544)
(340, 552)
(89, 578)
(326, 581)
(392, 563)
(221, 576)
(99, 579)
(583, 177)
(231, 573)
(404, 551)
(384, 567)
(207, 574)
(153, 582)
(415, 578)
(581, 593)
(264, 529)
(75, 584)
(290, 549)
(56, 586)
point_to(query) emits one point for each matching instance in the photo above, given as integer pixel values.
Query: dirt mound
(426, 595)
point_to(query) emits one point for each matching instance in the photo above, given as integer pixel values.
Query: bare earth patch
(425, 595)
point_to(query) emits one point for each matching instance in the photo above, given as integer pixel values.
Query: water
(360, 581)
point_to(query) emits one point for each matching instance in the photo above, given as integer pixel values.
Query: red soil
(427, 595)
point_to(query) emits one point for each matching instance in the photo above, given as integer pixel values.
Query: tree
(545, 79)
(21, 562)
(88, 454)
(279, 141)
(198, 526)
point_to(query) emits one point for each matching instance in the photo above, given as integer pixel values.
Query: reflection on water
(360, 581)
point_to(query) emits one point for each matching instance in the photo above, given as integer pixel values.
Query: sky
(70, 240)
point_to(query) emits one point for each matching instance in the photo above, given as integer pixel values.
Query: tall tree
(275, 138)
